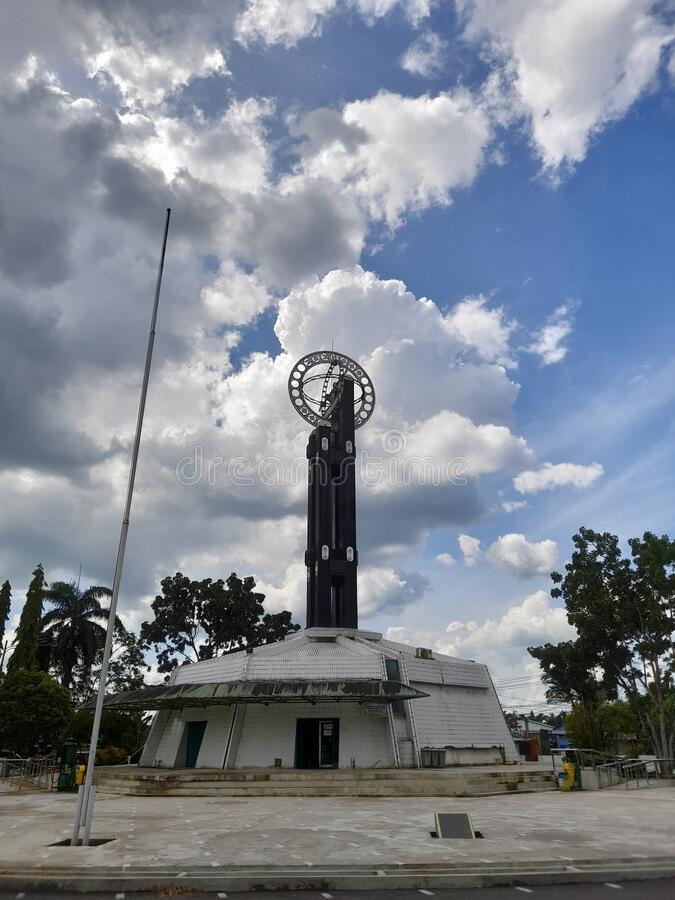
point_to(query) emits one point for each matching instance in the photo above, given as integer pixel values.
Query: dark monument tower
(333, 393)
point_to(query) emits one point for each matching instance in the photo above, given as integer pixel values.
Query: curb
(322, 878)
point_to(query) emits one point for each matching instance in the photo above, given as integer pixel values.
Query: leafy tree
(567, 671)
(5, 603)
(25, 655)
(196, 620)
(35, 712)
(623, 611)
(603, 726)
(75, 627)
(126, 669)
(126, 731)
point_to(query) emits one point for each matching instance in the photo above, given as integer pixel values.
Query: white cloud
(425, 56)
(418, 360)
(514, 554)
(534, 621)
(574, 65)
(552, 475)
(485, 329)
(235, 297)
(501, 642)
(288, 21)
(510, 506)
(548, 341)
(398, 154)
(470, 547)
(446, 559)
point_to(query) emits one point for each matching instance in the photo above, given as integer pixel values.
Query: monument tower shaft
(331, 557)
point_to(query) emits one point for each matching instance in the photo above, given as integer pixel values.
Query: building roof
(226, 693)
(335, 654)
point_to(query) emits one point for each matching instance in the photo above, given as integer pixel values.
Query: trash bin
(65, 781)
(564, 782)
(79, 774)
(570, 770)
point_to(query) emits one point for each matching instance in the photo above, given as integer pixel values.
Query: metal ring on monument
(314, 387)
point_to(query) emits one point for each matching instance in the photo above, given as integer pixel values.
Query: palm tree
(75, 627)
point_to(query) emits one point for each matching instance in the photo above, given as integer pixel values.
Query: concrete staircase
(467, 781)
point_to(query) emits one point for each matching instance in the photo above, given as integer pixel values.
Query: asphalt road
(658, 889)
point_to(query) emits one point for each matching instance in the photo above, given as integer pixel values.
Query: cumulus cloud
(549, 341)
(552, 475)
(573, 66)
(425, 56)
(514, 554)
(470, 547)
(398, 154)
(485, 329)
(288, 21)
(446, 559)
(235, 297)
(501, 642)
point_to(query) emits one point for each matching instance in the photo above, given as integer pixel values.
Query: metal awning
(226, 693)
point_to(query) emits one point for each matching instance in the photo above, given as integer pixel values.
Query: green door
(195, 733)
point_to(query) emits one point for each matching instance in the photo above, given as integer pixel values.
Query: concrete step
(336, 783)
(297, 775)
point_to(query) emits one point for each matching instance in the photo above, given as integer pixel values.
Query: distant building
(529, 730)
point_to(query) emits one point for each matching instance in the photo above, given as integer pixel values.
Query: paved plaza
(180, 833)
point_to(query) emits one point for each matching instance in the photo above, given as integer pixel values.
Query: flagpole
(83, 814)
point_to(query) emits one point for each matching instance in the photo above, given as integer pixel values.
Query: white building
(325, 698)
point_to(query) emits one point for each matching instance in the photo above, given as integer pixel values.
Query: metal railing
(36, 773)
(612, 770)
(648, 770)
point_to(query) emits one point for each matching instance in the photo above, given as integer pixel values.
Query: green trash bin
(66, 781)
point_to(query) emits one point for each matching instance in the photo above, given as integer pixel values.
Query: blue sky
(330, 164)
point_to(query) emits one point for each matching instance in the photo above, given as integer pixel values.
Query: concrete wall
(212, 751)
(269, 732)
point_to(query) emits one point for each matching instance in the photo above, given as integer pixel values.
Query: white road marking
(222, 895)
(215, 864)
(327, 896)
(20, 896)
(617, 887)
(181, 875)
(120, 896)
(523, 889)
(428, 893)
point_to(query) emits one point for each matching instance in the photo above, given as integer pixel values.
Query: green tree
(5, 603)
(25, 655)
(126, 669)
(75, 627)
(122, 730)
(623, 611)
(605, 726)
(35, 712)
(196, 620)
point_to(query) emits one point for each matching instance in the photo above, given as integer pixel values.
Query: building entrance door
(317, 744)
(195, 734)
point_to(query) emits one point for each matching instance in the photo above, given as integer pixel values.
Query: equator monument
(334, 695)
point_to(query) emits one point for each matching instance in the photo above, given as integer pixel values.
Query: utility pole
(85, 798)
